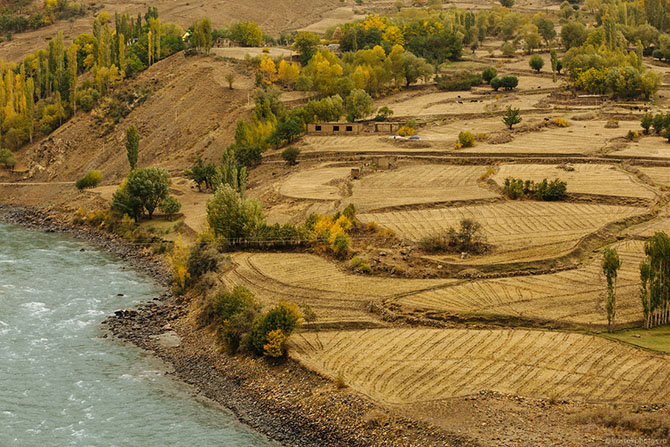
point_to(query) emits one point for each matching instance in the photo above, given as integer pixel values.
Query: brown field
(517, 227)
(419, 184)
(655, 147)
(335, 17)
(362, 143)
(581, 137)
(335, 295)
(316, 184)
(241, 52)
(399, 366)
(584, 179)
(659, 175)
(574, 296)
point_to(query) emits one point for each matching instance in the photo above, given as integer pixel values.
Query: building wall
(334, 128)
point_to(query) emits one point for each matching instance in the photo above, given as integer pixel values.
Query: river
(61, 384)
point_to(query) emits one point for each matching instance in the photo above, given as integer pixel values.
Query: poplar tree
(132, 146)
(655, 281)
(611, 264)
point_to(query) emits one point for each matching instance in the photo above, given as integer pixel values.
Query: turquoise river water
(63, 385)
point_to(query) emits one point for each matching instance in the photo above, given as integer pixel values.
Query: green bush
(466, 139)
(283, 317)
(515, 188)
(7, 158)
(340, 245)
(202, 259)
(646, 121)
(458, 81)
(170, 206)
(536, 62)
(489, 73)
(509, 82)
(90, 180)
(360, 264)
(290, 155)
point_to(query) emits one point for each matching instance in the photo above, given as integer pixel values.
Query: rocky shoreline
(284, 401)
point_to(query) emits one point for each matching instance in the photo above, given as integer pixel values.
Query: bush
(468, 238)
(406, 131)
(290, 155)
(509, 82)
(458, 81)
(489, 73)
(202, 259)
(340, 245)
(7, 158)
(560, 122)
(466, 139)
(515, 188)
(284, 318)
(360, 264)
(536, 62)
(646, 122)
(508, 49)
(170, 206)
(90, 180)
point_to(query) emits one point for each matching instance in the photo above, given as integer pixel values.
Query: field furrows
(315, 184)
(417, 185)
(646, 147)
(306, 279)
(659, 175)
(414, 365)
(509, 225)
(575, 296)
(585, 179)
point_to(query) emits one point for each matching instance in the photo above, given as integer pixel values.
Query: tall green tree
(512, 116)
(132, 146)
(611, 264)
(655, 281)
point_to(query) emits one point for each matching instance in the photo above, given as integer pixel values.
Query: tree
(508, 82)
(655, 279)
(646, 121)
(546, 29)
(232, 218)
(359, 104)
(287, 131)
(650, 82)
(202, 35)
(536, 62)
(248, 34)
(511, 117)
(7, 158)
(284, 317)
(230, 78)
(611, 264)
(489, 73)
(305, 44)
(573, 34)
(132, 146)
(143, 189)
(170, 206)
(290, 155)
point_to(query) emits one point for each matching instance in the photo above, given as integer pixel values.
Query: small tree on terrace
(132, 146)
(230, 78)
(536, 62)
(611, 265)
(512, 116)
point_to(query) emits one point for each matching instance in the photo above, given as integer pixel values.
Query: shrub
(489, 73)
(360, 264)
(340, 245)
(515, 188)
(290, 155)
(383, 114)
(202, 259)
(468, 238)
(560, 122)
(466, 139)
(612, 124)
(283, 317)
(339, 382)
(7, 158)
(632, 135)
(233, 314)
(495, 83)
(90, 180)
(170, 206)
(508, 49)
(646, 121)
(458, 81)
(536, 62)
(406, 131)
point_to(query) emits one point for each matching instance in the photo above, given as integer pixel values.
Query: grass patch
(656, 339)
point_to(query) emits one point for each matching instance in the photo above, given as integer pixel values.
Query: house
(385, 127)
(334, 128)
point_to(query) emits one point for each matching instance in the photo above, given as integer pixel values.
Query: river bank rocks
(282, 400)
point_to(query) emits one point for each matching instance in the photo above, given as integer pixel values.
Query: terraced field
(654, 147)
(335, 295)
(659, 175)
(362, 143)
(400, 366)
(419, 184)
(581, 137)
(315, 184)
(584, 179)
(574, 296)
(524, 229)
